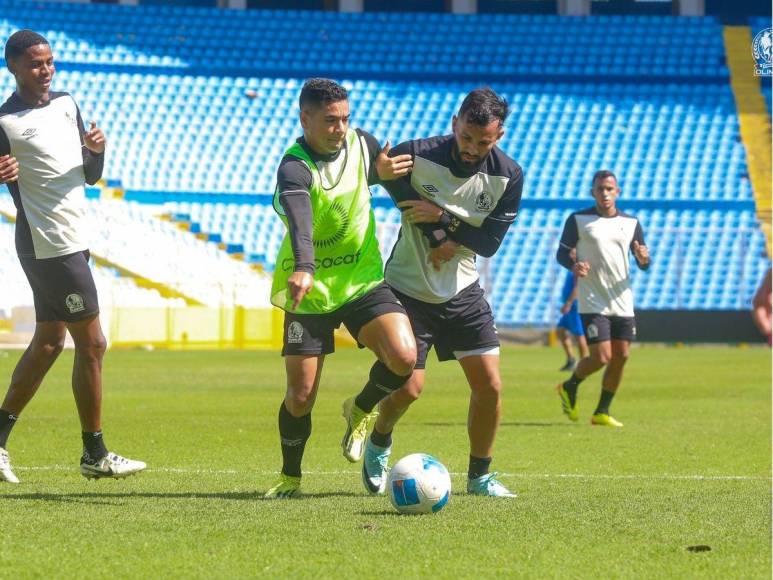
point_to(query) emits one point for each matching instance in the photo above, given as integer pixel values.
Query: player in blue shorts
(570, 324)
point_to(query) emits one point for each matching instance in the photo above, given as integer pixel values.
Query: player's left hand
(420, 211)
(94, 139)
(641, 252)
(389, 168)
(443, 253)
(566, 308)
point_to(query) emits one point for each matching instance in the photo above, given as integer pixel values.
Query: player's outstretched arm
(401, 190)
(391, 168)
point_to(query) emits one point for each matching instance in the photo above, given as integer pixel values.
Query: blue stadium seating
(308, 42)
(657, 109)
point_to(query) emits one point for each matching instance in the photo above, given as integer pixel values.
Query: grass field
(691, 468)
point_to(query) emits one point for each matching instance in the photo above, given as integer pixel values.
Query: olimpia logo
(331, 227)
(762, 50)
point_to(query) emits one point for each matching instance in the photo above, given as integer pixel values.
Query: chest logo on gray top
(70, 118)
(430, 189)
(29, 134)
(484, 202)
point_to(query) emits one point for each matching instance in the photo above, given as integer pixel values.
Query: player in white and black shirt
(46, 157)
(602, 237)
(458, 202)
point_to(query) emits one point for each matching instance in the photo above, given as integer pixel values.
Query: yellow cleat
(566, 406)
(357, 420)
(604, 419)
(287, 487)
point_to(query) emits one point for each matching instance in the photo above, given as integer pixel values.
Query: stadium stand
(658, 110)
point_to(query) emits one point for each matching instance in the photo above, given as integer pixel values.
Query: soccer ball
(419, 484)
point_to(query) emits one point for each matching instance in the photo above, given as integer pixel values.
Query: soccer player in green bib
(329, 271)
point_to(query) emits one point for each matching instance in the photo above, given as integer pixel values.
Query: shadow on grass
(506, 424)
(93, 497)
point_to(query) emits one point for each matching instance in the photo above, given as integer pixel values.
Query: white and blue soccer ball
(419, 484)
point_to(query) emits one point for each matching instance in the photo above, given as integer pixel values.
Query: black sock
(478, 466)
(570, 387)
(380, 439)
(604, 402)
(93, 445)
(7, 421)
(293, 433)
(382, 382)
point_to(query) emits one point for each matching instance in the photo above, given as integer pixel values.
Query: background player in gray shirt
(46, 158)
(602, 237)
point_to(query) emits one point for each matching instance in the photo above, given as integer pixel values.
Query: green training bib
(346, 254)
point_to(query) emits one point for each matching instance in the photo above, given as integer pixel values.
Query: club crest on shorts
(484, 202)
(294, 333)
(74, 303)
(593, 331)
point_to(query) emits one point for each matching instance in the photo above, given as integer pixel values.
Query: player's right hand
(443, 253)
(299, 284)
(9, 169)
(581, 269)
(389, 168)
(566, 308)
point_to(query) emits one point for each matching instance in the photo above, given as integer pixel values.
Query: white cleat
(6, 474)
(111, 465)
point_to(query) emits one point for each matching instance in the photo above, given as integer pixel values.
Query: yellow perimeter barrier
(202, 327)
(196, 327)
(754, 120)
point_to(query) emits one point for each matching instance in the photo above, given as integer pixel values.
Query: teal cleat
(374, 468)
(488, 485)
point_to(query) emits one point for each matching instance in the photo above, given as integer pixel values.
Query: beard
(467, 166)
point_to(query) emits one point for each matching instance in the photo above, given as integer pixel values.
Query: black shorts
(63, 288)
(463, 323)
(312, 334)
(600, 328)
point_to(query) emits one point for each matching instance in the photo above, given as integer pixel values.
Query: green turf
(691, 467)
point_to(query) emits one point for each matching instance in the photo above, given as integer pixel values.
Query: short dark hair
(319, 91)
(483, 106)
(20, 41)
(602, 174)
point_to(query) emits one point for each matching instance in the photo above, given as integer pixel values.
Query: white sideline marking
(667, 477)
